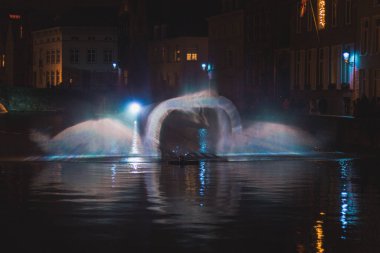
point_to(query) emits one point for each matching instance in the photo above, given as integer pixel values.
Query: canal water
(323, 203)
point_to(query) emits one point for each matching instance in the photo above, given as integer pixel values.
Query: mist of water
(111, 136)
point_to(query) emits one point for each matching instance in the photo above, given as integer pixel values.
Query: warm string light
(321, 14)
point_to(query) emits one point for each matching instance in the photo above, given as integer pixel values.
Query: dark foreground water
(323, 203)
(273, 205)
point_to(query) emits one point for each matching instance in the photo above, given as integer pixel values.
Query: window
(298, 19)
(58, 56)
(47, 78)
(47, 56)
(192, 56)
(310, 20)
(323, 68)
(363, 85)
(364, 36)
(52, 57)
(259, 27)
(74, 56)
(348, 12)
(52, 77)
(334, 13)
(377, 35)
(57, 77)
(163, 54)
(298, 70)
(91, 56)
(107, 56)
(334, 66)
(229, 57)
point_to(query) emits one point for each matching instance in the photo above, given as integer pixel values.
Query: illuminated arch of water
(188, 103)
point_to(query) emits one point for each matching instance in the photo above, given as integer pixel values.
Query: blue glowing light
(346, 56)
(114, 65)
(134, 108)
(348, 206)
(202, 133)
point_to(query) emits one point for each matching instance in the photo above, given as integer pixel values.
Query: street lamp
(346, 57)
(208, 67)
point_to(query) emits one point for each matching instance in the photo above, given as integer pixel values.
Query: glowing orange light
(321, 14)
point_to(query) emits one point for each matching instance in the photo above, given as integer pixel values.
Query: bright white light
(346, 55)
(114, 65)
(134, 108)
(204, 66)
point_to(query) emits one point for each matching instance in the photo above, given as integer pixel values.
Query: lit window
(192, 56)
(321, 14)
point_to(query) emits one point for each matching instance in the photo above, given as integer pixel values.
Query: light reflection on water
(277, 206)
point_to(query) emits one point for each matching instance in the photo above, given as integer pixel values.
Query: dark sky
(53, 4)
(183, 16)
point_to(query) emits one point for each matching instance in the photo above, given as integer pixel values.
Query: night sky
(186, 17)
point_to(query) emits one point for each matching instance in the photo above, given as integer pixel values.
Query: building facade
(176, 66)
(335, 54)
(15, 50)
(244, 40)
(75, 57)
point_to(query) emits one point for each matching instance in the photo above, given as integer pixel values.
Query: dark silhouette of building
(15, 49)
(248, 45)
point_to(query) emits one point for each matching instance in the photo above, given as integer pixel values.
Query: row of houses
(254, 52)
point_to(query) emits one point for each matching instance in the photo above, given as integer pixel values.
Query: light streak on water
(348, 205)
(202, 181)
(318, 228)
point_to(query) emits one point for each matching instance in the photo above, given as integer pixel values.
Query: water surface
(272, 205)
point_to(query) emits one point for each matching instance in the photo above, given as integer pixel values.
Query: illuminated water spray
(203, 143)
(136, 148)
(192, 104)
